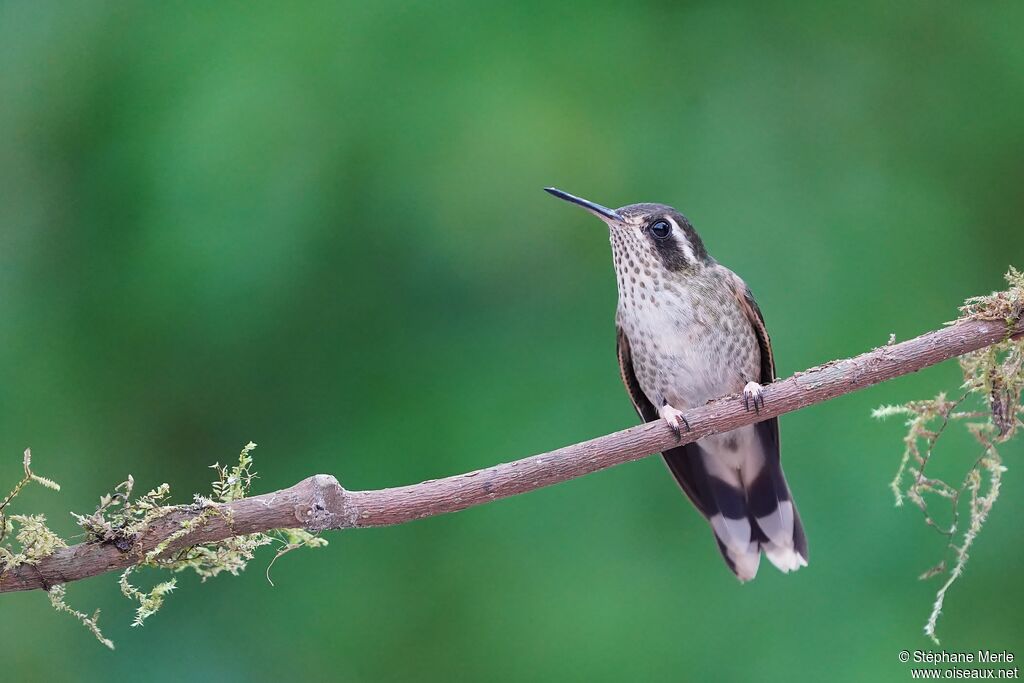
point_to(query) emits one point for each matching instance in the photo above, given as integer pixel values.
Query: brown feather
(684, 462)
(752, 312)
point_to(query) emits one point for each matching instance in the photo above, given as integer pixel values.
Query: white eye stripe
(683, 241)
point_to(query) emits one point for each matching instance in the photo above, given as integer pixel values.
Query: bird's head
(647, 235)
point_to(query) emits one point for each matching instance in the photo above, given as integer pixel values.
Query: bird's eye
(661, 229)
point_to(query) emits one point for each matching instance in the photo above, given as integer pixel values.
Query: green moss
(120, 519)
(57, 595)
(149, 602)
(234, 483)
(32, 539)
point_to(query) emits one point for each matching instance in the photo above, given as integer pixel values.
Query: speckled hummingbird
(688, 331)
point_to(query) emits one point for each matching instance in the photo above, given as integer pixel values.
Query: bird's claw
(753, 395)
(675, 419)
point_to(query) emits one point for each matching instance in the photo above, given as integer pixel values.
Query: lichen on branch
(33, 540)
(121, 520)
(988, 405)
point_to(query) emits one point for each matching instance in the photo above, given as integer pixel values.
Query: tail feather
(742, 562)
(748, 514)
(772, 509)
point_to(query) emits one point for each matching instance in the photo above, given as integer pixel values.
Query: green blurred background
(321, 227)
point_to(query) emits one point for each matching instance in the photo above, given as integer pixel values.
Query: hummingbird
(688, 331)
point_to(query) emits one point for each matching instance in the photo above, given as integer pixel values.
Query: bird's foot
(674, 418)
(753, 397)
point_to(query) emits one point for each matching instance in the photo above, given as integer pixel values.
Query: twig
(320, 503)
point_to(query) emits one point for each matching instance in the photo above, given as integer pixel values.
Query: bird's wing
(768, 430)
(684, 462)
(769, 493)
(753, 315)
(640, 401)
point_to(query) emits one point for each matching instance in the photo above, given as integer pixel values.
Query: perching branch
(320, 503)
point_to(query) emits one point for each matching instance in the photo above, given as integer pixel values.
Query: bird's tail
(747, 514)
(774, 520)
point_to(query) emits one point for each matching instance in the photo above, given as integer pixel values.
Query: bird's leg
(674, 418)
(753, 395)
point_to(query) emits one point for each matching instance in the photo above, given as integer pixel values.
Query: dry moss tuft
(988, 405)
(120, 520)
(32, 539)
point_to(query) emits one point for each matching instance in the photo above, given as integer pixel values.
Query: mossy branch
(989, 407)
(319, 502)
(121, 521)
(220, 533)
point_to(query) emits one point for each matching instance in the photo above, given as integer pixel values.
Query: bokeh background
(321, 227)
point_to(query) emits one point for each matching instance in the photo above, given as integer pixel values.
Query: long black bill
(602, 212)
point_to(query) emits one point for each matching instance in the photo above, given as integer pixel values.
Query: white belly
(689, 354)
